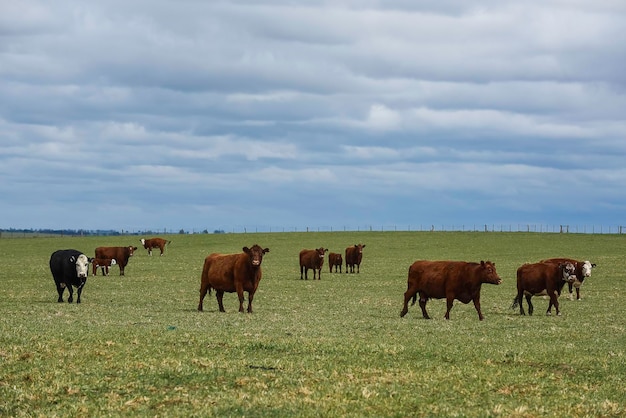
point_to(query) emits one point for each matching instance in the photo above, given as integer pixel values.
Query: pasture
(136, 345)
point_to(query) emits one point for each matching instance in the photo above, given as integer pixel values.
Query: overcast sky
(339, 113)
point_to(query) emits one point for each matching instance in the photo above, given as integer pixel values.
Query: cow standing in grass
(69, 268)
(104, 264)
(536, 279)
(448, 279)
(335, 260)
(354, 255)
(120, 254)
(312, 259)
(583, 270)
(232, 273)
(150, 243)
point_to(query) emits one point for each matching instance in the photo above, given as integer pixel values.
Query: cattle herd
(241, 273)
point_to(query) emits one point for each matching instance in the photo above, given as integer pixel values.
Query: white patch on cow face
(82, 266)
(586, 268)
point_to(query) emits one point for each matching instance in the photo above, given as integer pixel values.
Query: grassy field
(136, 346)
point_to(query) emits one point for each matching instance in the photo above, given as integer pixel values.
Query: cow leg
(301, 272)
(78, 292)
(519, 299)
(71, 298)
(219, 295)
(60, 288)
(203, 290)
(531, 308)
(554, 300)
(121, 270)
(241, 299)
(150, 251)
(250, 297)
(449, 303)
(477, 306)
(577, 293)
(423, 300)
(407, 296)
(358, 268)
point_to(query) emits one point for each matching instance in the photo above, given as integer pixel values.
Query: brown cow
(540, 279)
(104, 264)
(151, 243)
(448, 279)
(232, 273)
(583, 270)
(335, 260)
(354, 255)
(120, 254)
(312, 259)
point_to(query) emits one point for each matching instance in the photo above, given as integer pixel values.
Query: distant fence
(249, 229)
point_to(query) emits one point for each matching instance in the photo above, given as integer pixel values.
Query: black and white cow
(583, 270)
(69, 268)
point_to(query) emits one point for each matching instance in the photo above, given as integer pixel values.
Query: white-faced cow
(69, 268)
(537, 279)
(151, 243)
(354, 255)
(583, 270)
(448, 279)
(314, 260)
(232, 273)
(104, 264)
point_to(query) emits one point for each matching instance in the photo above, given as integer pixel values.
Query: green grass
(337, 347)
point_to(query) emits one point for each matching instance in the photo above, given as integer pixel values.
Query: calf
(540, 279)
(583, 270)
(151, 243)
(312, 259)
(120, 254)
(69, 268)
(335, 260)
(232, 273)
(448, 279)
(354, 255)
(104, 264)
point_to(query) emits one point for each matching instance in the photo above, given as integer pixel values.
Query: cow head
(490, 275)
(586, 268)
(321, 251)
(82, 265)
(256, 254)
(131, 250)
(143, 242)
(359, 248)
(568, 273)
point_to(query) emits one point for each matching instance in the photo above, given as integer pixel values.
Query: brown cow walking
(335, 260)
(312, 259)
(232, 273)
(540, 279)
(354, 255)
(120, 254)
(448, 279)
(151, 243)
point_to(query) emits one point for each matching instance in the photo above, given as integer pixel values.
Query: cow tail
(414, 299)
(515, 303)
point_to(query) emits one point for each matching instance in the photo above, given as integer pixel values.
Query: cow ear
(363, 246)
(246, 249)
(482, 263)
(593, 264)
(72, 259)
(89, 260)
(266, 250)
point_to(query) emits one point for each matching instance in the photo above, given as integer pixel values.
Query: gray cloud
(219, 114)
